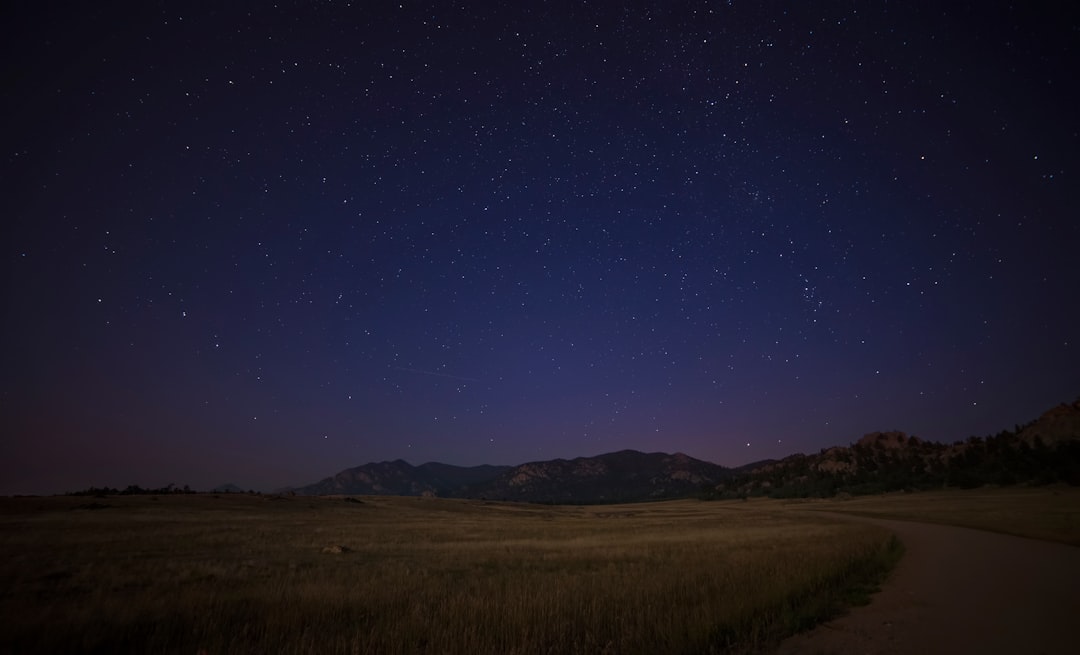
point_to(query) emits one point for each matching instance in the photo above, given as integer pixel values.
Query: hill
(1055, 427)
(1044, 451)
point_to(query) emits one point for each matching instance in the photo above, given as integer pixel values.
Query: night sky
(261, 244)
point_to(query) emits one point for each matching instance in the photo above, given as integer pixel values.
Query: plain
(236, 573)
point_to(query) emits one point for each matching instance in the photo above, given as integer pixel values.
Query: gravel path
(958, 590)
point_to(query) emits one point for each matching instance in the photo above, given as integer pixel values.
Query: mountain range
(1045, 450)
(626, 475)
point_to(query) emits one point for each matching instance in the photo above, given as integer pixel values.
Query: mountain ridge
(1042, 451)
(610, 477)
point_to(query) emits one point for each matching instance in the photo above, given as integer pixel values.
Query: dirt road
(958, 590)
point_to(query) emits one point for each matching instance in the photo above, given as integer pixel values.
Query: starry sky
(261, 243)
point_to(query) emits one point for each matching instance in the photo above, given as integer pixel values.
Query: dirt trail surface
(958, 590)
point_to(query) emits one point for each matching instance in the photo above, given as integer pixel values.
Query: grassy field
(1049, 513)
(247, 574)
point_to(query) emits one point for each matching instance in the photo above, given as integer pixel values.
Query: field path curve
(958, 590)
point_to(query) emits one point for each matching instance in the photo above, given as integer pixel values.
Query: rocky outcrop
(1046, 450)
(1057, 425)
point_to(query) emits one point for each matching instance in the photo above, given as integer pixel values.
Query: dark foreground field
(252, 574)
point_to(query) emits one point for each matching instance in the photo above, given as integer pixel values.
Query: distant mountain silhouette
(399, 478)
(1043, 451)
(626, 475)
(622, 476)
(445, 476)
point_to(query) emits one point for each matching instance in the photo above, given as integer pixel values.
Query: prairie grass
(245, 574)
(1050, 513)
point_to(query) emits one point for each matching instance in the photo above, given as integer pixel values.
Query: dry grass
(1049, 513)
(242, 574)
